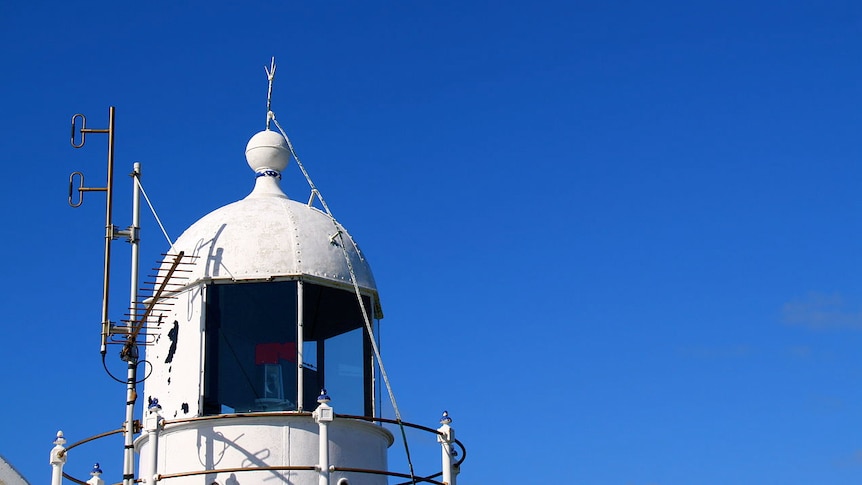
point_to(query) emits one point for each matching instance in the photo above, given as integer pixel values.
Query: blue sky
(618, 241)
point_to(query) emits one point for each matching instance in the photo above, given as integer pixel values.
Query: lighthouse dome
(268, 236)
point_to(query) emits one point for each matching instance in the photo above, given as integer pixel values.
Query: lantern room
(275, 307)
(272, 346)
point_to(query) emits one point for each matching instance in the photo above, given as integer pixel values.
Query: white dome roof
(266, 235)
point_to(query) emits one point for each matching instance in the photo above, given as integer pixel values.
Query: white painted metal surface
(267, 234)
(9, 475)
(267, 150)
(58, 459)
(323, 415)
(445, 438)
(255, 441)
(177, 358)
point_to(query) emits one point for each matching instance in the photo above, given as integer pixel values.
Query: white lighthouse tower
(258, 309)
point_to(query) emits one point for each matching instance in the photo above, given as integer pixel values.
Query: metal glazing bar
(299, 345)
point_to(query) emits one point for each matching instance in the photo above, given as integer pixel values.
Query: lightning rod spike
(270, 75)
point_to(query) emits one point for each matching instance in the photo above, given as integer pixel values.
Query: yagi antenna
(270, 75)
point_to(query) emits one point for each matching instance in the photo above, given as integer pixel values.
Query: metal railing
(443, 435)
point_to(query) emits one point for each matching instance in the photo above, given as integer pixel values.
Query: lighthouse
(260, 336)
(276, 307)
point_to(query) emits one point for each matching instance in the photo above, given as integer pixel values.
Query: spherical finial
(267, 150)
(60, 439)
(96, 471)
(445, 419)
(323, 397)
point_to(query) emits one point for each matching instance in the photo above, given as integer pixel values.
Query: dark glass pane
(251, 347)
(334, 326)
(251, 351)
(344, 372)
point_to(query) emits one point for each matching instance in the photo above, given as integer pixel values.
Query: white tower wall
(177, 357)
(264, 441)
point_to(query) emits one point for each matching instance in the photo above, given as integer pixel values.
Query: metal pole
(129, 432)
(132, 356)
(134, 239)
(109, 232)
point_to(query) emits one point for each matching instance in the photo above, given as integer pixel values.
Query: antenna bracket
(131, 233)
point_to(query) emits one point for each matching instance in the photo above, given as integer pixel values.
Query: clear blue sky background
(618, 241)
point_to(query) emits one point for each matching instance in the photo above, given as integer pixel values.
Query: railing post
(58, 459)
(323, 415)
(96, 476)
(154, 423)
(447, 434)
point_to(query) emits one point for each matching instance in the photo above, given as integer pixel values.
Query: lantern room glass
(252, 348)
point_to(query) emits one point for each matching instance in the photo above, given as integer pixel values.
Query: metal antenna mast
(130, 351)
(109, 193)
